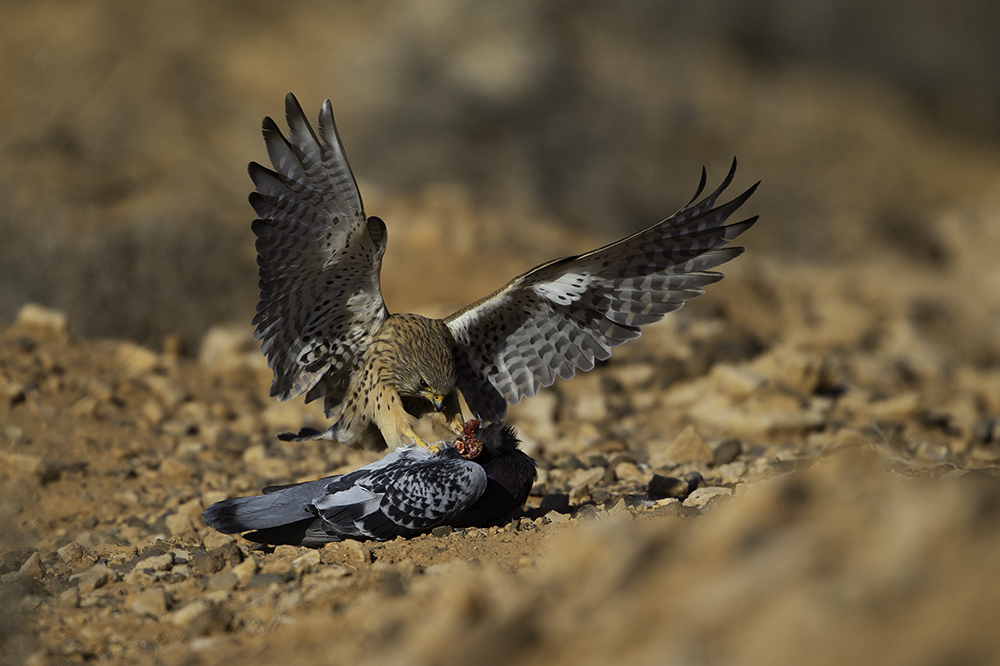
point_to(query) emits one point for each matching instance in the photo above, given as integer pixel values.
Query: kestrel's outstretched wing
(566, 313)
(319, 259)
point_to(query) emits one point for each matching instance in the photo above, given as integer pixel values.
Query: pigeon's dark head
(498, 439)
(481, 442)
(509, 471)
(495, 447)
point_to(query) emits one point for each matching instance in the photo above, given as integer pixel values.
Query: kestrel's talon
(419, 441)
(327, 333)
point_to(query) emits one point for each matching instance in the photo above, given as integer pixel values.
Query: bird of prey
(478, 481)
(326, 331)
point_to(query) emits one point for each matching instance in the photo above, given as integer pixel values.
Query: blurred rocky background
(126, 129)
(801, 466)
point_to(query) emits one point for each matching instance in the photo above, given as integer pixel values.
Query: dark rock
(210, 561)
(224, 580)
(726, 452)
(393, 583)
(601, 496)
(597, 460)
(213, 619)
(986, 430)
(572, 464)
(441, 531)
(13, 560)
(670, 510)
(265, 579)
(670, 486)
(558, 502)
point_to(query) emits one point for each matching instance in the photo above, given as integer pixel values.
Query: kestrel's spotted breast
(327, 333)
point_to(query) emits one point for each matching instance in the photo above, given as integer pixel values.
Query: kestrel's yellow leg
(433, 448)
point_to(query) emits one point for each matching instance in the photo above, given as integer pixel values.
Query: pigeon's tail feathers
(308, 532)
(276, 509)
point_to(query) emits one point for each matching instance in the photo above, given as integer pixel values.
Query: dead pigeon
(478, 480)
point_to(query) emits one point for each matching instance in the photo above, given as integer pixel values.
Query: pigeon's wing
(413, 494)
(284, 514)
(319, 259)
(567, 313)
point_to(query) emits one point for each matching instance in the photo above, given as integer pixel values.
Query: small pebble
(558, 502)
(726, 452)
(669, 486)
(225, 580)
(986, 430)
(33, 567)
(701, 498)
(150, 603)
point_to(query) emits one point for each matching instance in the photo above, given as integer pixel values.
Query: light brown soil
(845, 509)
(838, 392)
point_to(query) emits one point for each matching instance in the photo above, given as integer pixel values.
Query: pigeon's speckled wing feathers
(319, 259)
(567, 313)
(404, 499)
(403, 494)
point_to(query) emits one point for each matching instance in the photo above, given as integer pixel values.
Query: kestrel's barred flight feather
(327, 333)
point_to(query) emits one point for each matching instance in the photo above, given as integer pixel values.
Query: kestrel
(327, 333)
(408, 492)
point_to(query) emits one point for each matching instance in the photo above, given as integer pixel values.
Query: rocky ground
(800, 467)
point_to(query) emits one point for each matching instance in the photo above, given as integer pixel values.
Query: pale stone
(738, 382)
(349, 552)
(731, 472)
(633, 375)
(629, 472)
(899, 408)
(95, 577)
(222, 581)
(38, 316)
(161, 562)
(138, 360)
(700, 497)
(76, 556)
(687, 447)
(230, 346)
(171, 468)
(179, 524)
(33, 567)
(586, 478)
(167, 389)
(791, 369)
(18, 465)
(305, 563)
(150, 603)
(216, 539)
(245, 570)
(591, 407)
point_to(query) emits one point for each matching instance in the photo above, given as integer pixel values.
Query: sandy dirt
(837, 395)
(849, 506)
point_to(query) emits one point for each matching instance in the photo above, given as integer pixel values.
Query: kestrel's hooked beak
(438, 401)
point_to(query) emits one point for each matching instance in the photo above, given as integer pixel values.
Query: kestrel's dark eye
(424, 384)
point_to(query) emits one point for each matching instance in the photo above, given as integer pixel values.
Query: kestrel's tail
(310, 434)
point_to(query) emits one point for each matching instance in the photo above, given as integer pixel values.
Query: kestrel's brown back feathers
(326, 331)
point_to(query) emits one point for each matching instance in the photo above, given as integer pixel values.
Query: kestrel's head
(428, 373)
